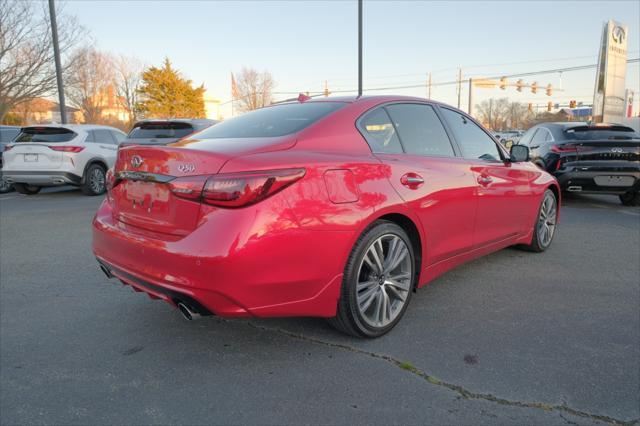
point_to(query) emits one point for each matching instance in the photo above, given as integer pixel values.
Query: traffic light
(549, 106)
(549, 90)
(503, 83)
(534, 87)
(530, 107)
(519, 85)
(572, 104)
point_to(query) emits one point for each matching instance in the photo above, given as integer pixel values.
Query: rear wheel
(630, 198)
(545, 227)
(4, 186)
(94, 180)
(23, 188)
(378, 282)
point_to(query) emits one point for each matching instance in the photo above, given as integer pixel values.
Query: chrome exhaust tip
(574, 189)
(187, 313)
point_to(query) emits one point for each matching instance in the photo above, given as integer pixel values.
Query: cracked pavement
(513, 338)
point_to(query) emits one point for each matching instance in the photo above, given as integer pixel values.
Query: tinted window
(90, 136)
(161, 130)
(603, 133)
(271, 121)
(542, 135)
(103, 136)
(420, 130)
(377, 129)
(118, 136)
(45, 134)
(8, 134)
(473, 141)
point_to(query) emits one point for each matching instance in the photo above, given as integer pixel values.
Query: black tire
(538, 244)
(5, 186)
(631, 199)
(25, 189)
(94, 180)
(348, 317)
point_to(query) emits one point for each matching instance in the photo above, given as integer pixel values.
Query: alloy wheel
(384, 280)
(547, 220)
(96, 180)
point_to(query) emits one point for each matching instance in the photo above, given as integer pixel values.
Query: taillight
(235, 189)
(73, 149)
(563, 148)
(110, 179)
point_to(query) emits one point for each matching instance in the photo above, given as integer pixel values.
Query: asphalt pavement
(513, 338)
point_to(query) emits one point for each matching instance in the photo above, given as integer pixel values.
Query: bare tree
(26, 52)
(128, 77)
(252, 89)
(493, 112)
(89, 83)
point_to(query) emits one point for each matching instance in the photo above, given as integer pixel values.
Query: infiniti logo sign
(616, 149)
(618, 34)
(136, 161)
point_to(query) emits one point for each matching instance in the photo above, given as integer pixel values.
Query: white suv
(61, 154)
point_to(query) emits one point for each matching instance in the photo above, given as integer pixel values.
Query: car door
(538, 146)
(107, 144)
(426, 172)
(503, 188)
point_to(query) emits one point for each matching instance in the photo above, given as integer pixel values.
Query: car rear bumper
(41, 178)
(239, 269)
(591, 181)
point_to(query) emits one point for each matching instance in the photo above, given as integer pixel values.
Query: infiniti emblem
(616, 149)
(136, 161)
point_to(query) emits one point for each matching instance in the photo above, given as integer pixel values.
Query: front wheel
(631, 199)
(94, 180)
(378, 282)
(25, 189)
(545, 227)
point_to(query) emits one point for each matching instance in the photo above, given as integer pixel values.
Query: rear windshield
(45, 134)
(278, 120)
(8, 134)
(160, 131)
(601, 133)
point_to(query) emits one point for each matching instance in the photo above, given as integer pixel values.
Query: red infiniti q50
(336, 208)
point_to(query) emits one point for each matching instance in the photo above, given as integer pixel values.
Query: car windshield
(8, 134)
(272, 121)
(585, 133)
(45, 134)
(163, 130)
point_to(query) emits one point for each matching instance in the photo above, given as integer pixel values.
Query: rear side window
(421, 131)
(161, 130)
(45, 134)
(378, 130)
(273, 121)
(474, 142)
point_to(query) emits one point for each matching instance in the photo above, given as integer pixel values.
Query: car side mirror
(519, 153)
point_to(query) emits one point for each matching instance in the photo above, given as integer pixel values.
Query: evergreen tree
(165, 94)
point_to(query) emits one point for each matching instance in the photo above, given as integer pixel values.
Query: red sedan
(336, 208)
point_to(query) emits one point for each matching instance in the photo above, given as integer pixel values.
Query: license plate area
(614, 180)
(30, 158)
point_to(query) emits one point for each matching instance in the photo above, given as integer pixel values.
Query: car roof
(82, 127)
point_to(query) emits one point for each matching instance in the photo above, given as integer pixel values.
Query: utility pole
(56, 53)
(326, 89)
(459, 85)
(470, 110)
(359, 48)
(429, 86)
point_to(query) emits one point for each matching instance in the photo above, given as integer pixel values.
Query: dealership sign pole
(609, 94)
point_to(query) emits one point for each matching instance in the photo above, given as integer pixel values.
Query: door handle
(484, 180)
(412, 180)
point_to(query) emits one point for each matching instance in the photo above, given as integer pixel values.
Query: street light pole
(359, 48)
(56, 54)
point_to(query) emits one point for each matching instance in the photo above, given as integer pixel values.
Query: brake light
(234, 190)
(73, 149)
(110, 180)
(563, 148)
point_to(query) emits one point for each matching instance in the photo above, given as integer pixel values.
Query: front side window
(378, 130)
(103, 136)
(273, 121)
(474, 142)
(542, 135)
(421, 131)
(118, 136)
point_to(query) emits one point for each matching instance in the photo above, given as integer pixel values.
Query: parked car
(509, 137)
(163, 132)
(334, 208)
(589, 158)
(55, 154)
(7, 134)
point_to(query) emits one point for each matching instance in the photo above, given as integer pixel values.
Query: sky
(305, 43)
